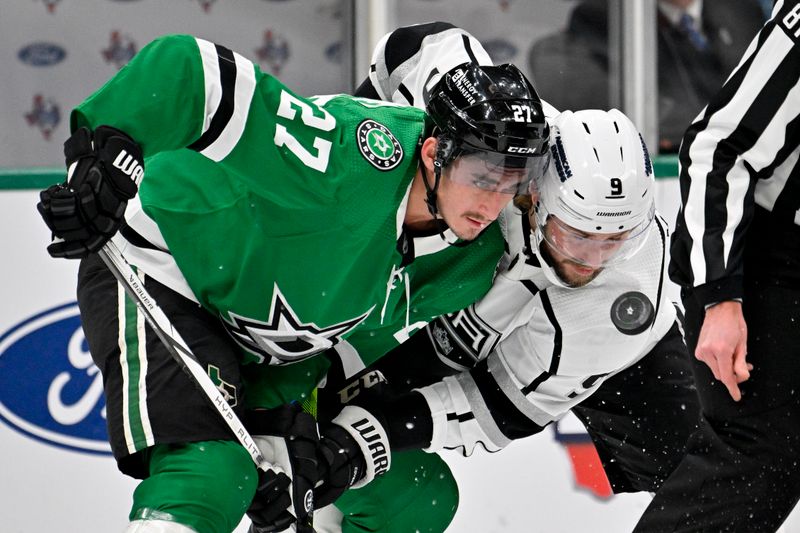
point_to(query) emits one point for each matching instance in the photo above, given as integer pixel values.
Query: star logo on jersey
(378, 145)
(284, 338)
(376, 139)
(632, 313)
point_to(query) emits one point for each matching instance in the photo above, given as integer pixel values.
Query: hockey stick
(183, 355)
(178, 348)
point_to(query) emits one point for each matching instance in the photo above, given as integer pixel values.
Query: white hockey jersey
(531, 349)
(407, 62)
(536, 349)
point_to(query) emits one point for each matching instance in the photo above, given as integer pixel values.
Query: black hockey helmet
(492, 110)
(494, 114)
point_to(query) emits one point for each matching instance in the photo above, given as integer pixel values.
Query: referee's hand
(722, 345)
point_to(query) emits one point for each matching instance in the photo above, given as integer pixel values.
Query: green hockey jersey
(282, 215)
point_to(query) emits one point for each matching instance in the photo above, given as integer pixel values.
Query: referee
(736, 255)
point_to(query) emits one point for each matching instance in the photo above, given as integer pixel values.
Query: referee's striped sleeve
(747, 133)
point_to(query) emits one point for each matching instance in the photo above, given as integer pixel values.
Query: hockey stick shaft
(178, 348)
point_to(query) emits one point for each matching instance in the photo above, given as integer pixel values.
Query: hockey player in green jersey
(270, 227)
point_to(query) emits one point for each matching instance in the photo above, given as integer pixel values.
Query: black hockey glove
(287, 437)
(353, 450)
(104, 169)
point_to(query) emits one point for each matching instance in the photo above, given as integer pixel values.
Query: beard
(571, 278)
(561, 266)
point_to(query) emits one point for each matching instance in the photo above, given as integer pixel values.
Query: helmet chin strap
(430, 191)
(444, 154)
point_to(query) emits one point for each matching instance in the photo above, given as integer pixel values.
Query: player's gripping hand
(353, 450)
(287, 437)
(104, 171)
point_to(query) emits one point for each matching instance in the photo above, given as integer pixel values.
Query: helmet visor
(594, 250)
(496, 172)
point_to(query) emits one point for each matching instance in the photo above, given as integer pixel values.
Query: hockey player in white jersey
(577, 319)
(580, 299)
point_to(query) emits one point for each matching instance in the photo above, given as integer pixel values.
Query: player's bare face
(571, 272)
(470, 198)
(578, 257)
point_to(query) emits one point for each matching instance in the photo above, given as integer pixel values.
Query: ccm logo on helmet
(521, 150)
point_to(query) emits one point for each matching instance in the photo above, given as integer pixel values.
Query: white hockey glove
(353, 450)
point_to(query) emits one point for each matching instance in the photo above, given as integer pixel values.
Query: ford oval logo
(50, 389)
(42, 54)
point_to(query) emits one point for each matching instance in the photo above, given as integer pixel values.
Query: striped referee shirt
(741, 151)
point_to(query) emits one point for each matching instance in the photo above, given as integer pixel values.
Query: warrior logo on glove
(105, 168)
(130, 166)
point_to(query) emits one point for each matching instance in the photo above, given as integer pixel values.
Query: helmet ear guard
(445, 150)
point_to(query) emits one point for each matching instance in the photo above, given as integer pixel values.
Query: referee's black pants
(742, 469)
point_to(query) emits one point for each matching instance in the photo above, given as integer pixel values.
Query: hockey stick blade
(178, 348)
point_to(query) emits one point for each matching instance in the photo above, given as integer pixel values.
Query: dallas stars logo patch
(378, 145)
(283, 338)
(227, 389)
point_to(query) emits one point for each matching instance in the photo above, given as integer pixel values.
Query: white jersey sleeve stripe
(245, 87)
(485, 424)
(153, 257)
(208, 54)
(230, 85)
(511, 388)
(455, 425)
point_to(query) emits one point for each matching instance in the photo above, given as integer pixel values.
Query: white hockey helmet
(598, 189)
